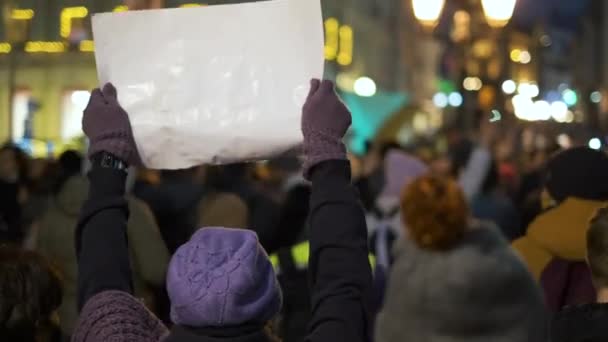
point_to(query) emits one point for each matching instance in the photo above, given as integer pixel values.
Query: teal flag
(369, 114)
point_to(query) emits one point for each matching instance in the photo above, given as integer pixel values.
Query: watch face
(107, 161)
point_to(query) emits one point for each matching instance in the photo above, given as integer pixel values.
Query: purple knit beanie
(222, 277)
(400, 170)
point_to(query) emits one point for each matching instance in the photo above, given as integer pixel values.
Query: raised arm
(101, 240)
(339, 271)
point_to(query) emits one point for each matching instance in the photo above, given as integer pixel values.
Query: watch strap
(107, 160)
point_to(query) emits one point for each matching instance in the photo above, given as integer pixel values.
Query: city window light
(528, 89)
(5, 47)
(509, 87)
(428, 12)
(496, 116)
(22, 14)
(440, 100)
(365, 86)
(455, 99)
(515, 55)
(525, 57)
(545, 40)
(520, 56)
(121, 8)
(570, 97)
(80, 98)
(526, 109)
(595, 97)
(345, 54)
(542, 110)
(595, 143)
(67, 14)
(559, 111)
(332, 27)
(564, 141)
(498, 12)
(48, 47)
(191, 5)
(553, 96)
(472, 83)
(86, 46)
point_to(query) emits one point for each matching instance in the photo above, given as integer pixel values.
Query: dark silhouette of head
(30, 293)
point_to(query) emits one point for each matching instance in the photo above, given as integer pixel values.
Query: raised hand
(325, 120)
(108, 128)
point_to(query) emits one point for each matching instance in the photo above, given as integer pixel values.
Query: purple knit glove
(108, 128)
(325, 120)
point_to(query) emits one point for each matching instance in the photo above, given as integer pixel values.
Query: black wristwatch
(107, 160)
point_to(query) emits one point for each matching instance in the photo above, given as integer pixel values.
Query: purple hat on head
(222, 277)
(400, 170)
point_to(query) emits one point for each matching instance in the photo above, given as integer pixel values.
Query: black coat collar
(245, 333)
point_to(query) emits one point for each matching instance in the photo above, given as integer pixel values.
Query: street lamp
(498, 12)
(428, 11)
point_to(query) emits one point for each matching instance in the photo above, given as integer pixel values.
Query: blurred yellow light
(5, 48)
(121, 8)
(331, 38)
(22, 14)
(515, 55)
(48, 47)
(472, 83)
(87, 46)
(525, 57)
(191, 5)
(498, 12)
(67, 14)
(428, 12)
(345, 55)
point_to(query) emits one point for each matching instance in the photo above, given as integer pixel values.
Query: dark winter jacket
(175, 206)
(339, 271)
(584, 323)
(556, 241)
(147, 252)
(10, 213)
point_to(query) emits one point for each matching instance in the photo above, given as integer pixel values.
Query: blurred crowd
(421, 204)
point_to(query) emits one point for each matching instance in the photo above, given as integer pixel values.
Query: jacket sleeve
(472, 177)
(339, 270)
(150, 253)
(101, 240)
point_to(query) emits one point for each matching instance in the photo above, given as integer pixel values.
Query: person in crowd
(368, 175)
(222, 210)
(41, 175)
(174, 202)
(554, 245)
(528, 196)
(43, 188)
(146, 181)
(147, 253)
(263, 210)
(221, 282)
(291, 263)
(30, 294)
(12, 191)
(384, 223)
(493, 205)
(70, 164)
(587, 322)
(455, 279)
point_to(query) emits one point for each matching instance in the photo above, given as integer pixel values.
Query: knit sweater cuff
(320, 147)
(116, 314)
